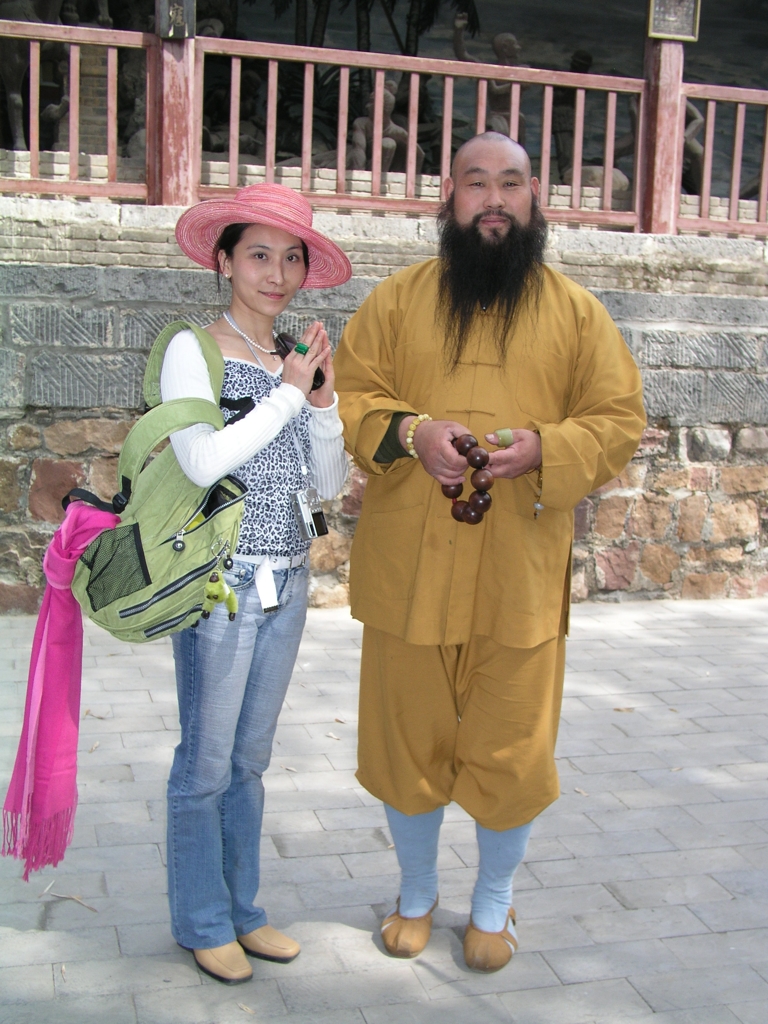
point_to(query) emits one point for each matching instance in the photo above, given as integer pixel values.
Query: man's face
(492, 181)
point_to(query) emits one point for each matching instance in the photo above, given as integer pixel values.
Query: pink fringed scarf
(39, 809)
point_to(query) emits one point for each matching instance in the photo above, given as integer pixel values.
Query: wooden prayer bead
(452, 490)
(464, 443)
(471, 516)
(480, 501)
(477, 457)
(457, 510)
(482, 479)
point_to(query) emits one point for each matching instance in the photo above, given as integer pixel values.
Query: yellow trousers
(475, 723)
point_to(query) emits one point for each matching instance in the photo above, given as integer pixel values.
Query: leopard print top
(271, 475)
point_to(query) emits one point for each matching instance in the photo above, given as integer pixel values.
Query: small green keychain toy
(216, 591)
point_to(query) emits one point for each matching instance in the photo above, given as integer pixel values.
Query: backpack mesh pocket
(118, 568)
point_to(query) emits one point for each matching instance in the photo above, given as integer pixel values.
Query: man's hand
(523, 455)
(432, 441)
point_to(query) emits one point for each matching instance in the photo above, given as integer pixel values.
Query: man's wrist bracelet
(411, 431)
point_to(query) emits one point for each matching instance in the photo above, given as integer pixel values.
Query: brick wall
(688, 517)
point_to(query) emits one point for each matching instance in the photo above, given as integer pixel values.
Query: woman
(232, 676)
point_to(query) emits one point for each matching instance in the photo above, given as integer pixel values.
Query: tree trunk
(322, 10)
(412, 28)
(300, 37)
(363, 12)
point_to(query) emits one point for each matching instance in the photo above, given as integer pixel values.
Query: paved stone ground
(643, 898)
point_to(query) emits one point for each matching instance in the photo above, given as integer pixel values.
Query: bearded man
(464, 636)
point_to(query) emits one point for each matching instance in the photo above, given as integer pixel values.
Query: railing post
(663, 131)
(177, 142)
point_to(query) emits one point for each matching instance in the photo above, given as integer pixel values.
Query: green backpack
(160, 569)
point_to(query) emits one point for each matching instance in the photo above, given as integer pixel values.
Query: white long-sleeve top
(206, 454)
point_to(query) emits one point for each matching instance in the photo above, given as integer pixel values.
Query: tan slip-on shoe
(224, 963)
(490, 951)
(267, 943)
(406, 937)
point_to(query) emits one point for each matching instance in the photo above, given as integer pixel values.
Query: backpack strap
(154, 426)
(211, 352)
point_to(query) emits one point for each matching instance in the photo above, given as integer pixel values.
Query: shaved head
(472, 154)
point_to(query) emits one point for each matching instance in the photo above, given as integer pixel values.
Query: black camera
(285, 344)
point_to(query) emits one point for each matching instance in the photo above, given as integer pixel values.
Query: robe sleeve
(365, 377)
(605, 419)
(364, 365)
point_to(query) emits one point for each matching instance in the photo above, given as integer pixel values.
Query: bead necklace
(249, 341)
(479, 502)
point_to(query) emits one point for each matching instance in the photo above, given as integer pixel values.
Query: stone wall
(84, 289)
(689, 515)
(54, 232)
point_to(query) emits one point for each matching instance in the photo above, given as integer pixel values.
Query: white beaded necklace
(249, 341)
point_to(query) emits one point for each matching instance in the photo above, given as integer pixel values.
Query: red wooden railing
(742, 98)
(76, 37)
(415, 68)
(173, 173)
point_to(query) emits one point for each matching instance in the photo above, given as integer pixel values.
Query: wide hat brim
(199, 229)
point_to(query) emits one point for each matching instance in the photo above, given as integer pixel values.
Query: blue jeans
(231, 679)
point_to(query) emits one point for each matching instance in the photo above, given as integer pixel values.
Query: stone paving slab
(643, 899)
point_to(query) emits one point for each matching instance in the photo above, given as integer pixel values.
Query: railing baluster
(514, 111)
(639, 162)
(269, 156)
(151, 126)
(738, 152)
(482, 106)
(447, 139)
(198, 78)
(762, 199)
(34, 108)
(235, 77)
(74, 111)
(413, 132)
(341, 135)
(306, 127)
(608, 150)
(578, 149)
(709, 149)
(378, 125)
(111, 113)
(546, 144)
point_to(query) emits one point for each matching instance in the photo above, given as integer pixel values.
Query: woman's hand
(299, 370)
(323, 397)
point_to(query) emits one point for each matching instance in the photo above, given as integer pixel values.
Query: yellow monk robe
(415, 572)
(463, 649)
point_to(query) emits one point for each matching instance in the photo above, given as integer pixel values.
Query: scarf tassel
(38, 843)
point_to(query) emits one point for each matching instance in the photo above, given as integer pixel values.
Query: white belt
(264, 578)
(276, 562)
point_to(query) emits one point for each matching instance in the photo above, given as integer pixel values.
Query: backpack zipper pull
(178, 544)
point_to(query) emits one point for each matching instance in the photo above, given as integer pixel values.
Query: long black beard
(503, 273)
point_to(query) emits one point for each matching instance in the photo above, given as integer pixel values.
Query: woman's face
(266, 269)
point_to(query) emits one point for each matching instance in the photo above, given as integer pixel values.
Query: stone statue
(564, 114)
(693, 151)
(252, 138)
(14, 56)
(394, 143)
(507, 50)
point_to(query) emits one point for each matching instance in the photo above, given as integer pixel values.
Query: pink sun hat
(199, 228)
